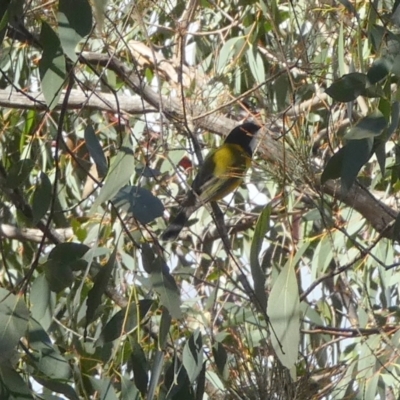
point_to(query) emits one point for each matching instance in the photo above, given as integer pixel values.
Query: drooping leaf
(380, 69)
(128, 389)
(104, 387)
(140, 367)
(164, 284)
(221, 359)
(139, 203)
(19, 173)
(333, 168)
(228, 51)
(124, 321)
(380, 153)
(44, 356)
(394, 119)
(59, 387)
(52, 67)
(100, 285)
(120, 171)
(12, 386)
(41, 198)
(356, 155)
(177, 382)
(156, 370)
(96, 151)
(62, 261)
(4, 17)
(42, 301)
(348, 87)
(376, 35)
(73, 25)
(368, 127)
(284, 315)
(201, 383)
(192, 357)
(165, 324)
(396, 229)
(256, 64)
(14, 317)
(347, 162)
(262, 227)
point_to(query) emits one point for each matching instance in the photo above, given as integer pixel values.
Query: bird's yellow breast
(230, 160)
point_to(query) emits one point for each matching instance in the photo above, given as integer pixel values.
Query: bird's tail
(177, 224)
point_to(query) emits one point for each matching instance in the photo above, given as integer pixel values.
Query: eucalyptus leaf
(348, 87)
(139, 203)
(52, 67)
(120, 171)
(73, 26)
(14, 316)
(284, 316)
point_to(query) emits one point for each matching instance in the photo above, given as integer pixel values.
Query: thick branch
(32, 235)
(94, 101)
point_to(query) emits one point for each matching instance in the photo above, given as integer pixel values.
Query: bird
(221, 173)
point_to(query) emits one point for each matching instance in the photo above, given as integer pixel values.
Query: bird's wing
(227, 167)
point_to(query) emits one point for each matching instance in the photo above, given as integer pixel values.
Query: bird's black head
(245, 136)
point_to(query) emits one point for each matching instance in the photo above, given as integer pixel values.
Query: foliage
(287, 289)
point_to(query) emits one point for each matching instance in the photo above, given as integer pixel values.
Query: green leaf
(44, 356)
(380, 69)
(14, 317)
(104, 388)
(121, 170)
(376, 35)
(156, 370)
(356, 155)
(41, 199)
(4, 16)
(177, 382)
(96, 151)
(256, 64)
(394, 119)
(12, 386)
(100, 285)
(139, 203)
(128, 389)
(284, 315)
(165, 324)
(348, 87)
(124, 321)
(164, 284)
(62, 261)
(380, 153)
(58, 387)
(19, 173)
(228, 51)
(368, 127)
(258, 275)
(52, 68)
(333, 168)
(140, 368)
(221, 360)
(192, 357)
(396, 229)
(73, 25)
(201, 383)
(347, 162)
(42, 302)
